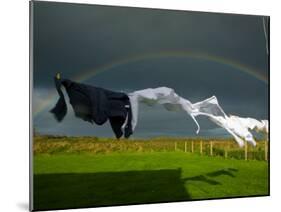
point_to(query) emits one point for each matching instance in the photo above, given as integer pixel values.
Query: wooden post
(226, 151)
(246, 151)
(211, 148)
(192, 146)
(265, 149)
(201, 147)
(185, 147)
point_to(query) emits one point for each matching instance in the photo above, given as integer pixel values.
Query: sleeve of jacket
(99, 106)
(60, 108)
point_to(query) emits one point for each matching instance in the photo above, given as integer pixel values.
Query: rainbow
(86, 75)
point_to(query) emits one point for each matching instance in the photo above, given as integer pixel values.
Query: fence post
(175, 146)
(211, 148)
(226, 151)
(192, 146)
(185, 146)
(265, 149)
(246, 151)
(201, 147)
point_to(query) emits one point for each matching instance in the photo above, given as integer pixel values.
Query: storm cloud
(75, 39)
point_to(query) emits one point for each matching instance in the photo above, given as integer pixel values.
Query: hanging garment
(211, 108)
(95, 105)
(238, 127)
(162, 95)
(252, 124)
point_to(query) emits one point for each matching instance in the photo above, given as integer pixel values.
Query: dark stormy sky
(79, 39)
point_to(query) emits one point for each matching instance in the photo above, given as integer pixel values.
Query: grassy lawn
(88, 180)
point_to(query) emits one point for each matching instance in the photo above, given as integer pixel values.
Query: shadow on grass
(73, 190)
(78, 190)
(207, 178)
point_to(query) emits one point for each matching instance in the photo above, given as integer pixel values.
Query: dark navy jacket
(94, 104)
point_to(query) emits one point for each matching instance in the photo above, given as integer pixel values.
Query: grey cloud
(72, 39)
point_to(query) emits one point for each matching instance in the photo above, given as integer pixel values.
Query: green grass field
(67, 179)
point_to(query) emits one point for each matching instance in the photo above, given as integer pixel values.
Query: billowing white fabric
(162, 95)
(238, 127)
(252, 124)
(265, 126)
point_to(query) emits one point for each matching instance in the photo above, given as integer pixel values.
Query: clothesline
(97, 105)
